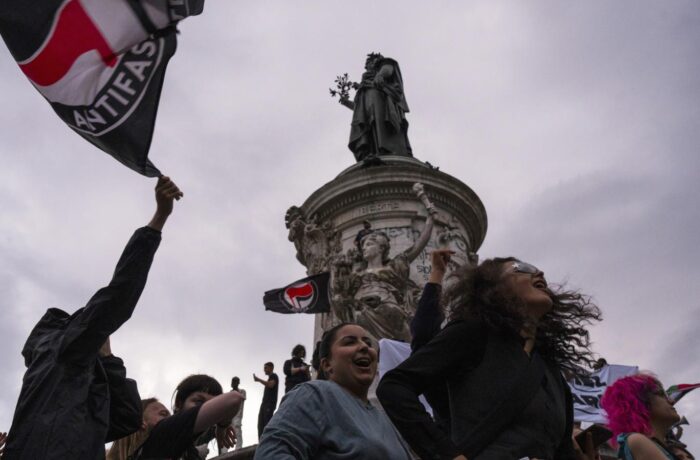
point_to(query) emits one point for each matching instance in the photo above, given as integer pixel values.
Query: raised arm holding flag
(75, 396)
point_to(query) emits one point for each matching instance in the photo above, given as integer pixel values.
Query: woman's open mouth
(362, 362)
(540, 284)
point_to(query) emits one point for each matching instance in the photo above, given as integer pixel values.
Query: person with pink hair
(639, 415)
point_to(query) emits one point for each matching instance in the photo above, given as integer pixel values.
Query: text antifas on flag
(100, 64)
(309, 295)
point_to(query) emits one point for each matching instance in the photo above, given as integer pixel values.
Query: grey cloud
(577, 124)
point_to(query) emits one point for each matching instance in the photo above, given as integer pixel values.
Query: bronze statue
(379, 126)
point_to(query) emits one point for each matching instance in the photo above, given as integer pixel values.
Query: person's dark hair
(235, 382)
(299, 350)
(193, 384)
(562, 338)
(269, 363)
(316, 361)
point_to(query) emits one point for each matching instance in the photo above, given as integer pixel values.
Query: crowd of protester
(489, 352)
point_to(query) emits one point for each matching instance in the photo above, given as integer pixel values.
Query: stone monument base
(383, 195)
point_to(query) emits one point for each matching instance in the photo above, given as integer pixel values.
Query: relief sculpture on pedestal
(380, 296)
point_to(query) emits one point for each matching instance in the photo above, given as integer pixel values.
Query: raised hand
(166, 192)
(439, 260)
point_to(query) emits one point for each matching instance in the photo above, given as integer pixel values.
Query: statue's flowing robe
(384, 302)
(379, 125)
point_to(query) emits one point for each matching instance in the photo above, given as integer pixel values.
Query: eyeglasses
(524, 267)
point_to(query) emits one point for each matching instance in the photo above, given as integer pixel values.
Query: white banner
(391, 354)
(588, 390)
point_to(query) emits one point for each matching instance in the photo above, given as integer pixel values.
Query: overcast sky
(577, 124)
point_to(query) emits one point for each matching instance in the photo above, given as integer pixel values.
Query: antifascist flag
(309, 295)
(676, 392)
(100, 64)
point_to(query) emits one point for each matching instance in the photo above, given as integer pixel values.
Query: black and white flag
(309, 295)
(100, 64)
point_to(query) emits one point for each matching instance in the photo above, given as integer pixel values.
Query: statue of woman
(379, 126)
(380, 296)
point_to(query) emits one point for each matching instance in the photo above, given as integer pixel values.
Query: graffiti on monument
(447, 237)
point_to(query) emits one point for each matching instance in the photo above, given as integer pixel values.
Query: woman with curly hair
(640, 415)
(501, 358)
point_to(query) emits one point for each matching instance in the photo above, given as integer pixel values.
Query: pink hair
(627, 403)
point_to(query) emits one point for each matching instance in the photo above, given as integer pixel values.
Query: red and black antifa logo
(120, 94)
(308, 295)
(300, 297)
(91, 85)
(100, 64)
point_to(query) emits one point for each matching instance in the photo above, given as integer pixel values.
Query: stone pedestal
(325, 227)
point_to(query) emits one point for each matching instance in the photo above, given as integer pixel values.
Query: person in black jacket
(75, 396)
(296, 371)
(500, 360)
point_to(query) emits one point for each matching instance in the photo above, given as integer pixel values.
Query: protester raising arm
(501, 359)
(113, 305)
(63, 410)
(166, 192)
(428, 319)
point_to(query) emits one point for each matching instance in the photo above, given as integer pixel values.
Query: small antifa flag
(309, 295)
(100, 64)
(676, 392)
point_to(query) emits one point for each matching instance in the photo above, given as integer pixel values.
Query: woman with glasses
(501, 359)
(640, 416)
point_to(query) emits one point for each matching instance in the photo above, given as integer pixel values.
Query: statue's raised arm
(413, 252)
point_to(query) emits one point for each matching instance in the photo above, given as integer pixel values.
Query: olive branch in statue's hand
(343, 86)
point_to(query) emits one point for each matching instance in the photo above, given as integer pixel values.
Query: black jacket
(292, 380)
(73, 401)
(426, 324)
(478, 365)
